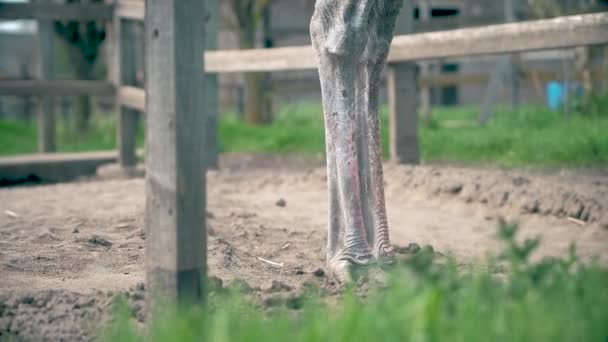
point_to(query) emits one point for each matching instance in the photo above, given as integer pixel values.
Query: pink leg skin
(351, 40)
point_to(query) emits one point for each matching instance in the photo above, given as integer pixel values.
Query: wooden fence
(402, 80)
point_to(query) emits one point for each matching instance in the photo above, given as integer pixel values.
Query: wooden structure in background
(46, 105)
(403, 100)
(563, 32)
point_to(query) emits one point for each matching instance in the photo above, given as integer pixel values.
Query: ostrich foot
(385, 254)
(351, 268)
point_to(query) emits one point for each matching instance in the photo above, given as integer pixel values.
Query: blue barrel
(555, 95)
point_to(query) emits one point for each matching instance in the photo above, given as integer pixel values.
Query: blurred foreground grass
(550, 300)
(529, 136)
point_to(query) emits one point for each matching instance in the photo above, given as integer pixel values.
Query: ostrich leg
(370, 71)
(351, 45)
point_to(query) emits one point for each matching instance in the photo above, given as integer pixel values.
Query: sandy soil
(66, 249)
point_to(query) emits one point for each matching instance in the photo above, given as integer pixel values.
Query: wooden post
(128, 118)
(402, 83)
(566, 86)
(46, 65)
(212, 148)
(507, 70)
(424, 10)
(499, 74)
(176, 126)
(512, 77)
(122, 71)
(603, 87)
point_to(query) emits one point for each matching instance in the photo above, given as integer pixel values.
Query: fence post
(212, 148)
(506, 70)
(403, 113)
(424, 10)
(511, 9)
(402, 84)
(122, 71)
(176, 126)
(127, 120)
(46, 66)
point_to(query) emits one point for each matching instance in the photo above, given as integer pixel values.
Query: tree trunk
(256, 109)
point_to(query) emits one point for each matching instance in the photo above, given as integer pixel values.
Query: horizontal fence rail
(55, 87)
(132, 97)
(563, 32)
(51, 11)
(131, 9)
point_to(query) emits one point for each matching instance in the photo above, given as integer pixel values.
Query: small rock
(532, 206)
(210, 230)
(519, 181)
(281, 203)
(99, 241)
(274, 286)
(75, 231)
(319, 272)
(453, 188)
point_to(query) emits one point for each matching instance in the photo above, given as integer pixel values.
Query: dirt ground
(66, 249)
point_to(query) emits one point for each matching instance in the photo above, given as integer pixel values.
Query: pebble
(319, 272)
(274, 286)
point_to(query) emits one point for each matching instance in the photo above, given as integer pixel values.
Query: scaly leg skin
(380, 242)
(348, 243)
(348, 38)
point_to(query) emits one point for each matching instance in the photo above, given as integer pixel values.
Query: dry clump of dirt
(562, 194)
(60, 315)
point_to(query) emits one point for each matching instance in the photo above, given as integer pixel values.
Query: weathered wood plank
(53, 11)
(555, 33)
(499, 75)
(403, 113)
(127, 117)
(55, 87)
(212, 146)
(175, 160)
(46, 104)
(130, 9)
(512, 15)
(276, 59)
(402, 91)
(132, 97)
(425, 69)
(563, 32)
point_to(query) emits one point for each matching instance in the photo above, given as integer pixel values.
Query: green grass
(532, 136)
(551, 300)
